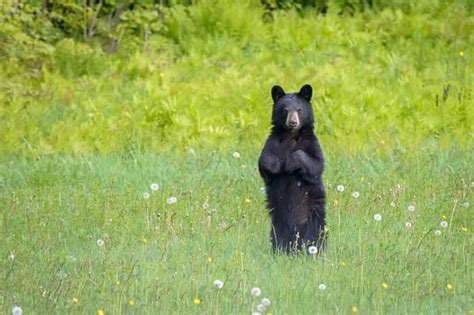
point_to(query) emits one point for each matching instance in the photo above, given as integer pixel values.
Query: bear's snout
(293, 120)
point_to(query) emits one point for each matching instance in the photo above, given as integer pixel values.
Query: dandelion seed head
(411, 208)
(171, 200)
(17, 310)
(340, 188)
(100, 242)
(146, 195)
(355, 194)
(261, 308)
(218, 284)
(466, 204)
(154, 186)
(443, 224)
(378, 217)
(11, 257)
(265, 302)
(322, 287)
(236, 155)
(313, 250)
(256, 291)
(408, 225)
(205, 205)
(437, 233)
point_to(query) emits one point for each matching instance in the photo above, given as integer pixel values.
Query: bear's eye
(285, 111)
(299, 110)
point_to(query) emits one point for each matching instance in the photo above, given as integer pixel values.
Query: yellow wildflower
(461, 53)
(464, 229)
(74, 300)
(197, 301)
(444, 217)
(100, 312)
(145, 241)
(384, 285)
(354, 309)
(209, 259)
(449, 286)
(247, 200)
(131, 302)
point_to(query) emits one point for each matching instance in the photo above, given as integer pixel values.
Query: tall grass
(392, 78)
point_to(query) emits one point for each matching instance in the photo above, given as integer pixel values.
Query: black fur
(291, 165)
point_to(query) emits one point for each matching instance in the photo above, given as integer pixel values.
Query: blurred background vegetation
(99, 76)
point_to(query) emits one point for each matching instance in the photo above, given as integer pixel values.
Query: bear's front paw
(270, 163)
(295, 162)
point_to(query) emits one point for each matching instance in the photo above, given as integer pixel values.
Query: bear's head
(292, 111)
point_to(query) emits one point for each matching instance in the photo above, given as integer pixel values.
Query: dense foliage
(108, 76)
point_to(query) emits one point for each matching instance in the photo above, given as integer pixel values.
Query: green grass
(161, 256)
(392, 77)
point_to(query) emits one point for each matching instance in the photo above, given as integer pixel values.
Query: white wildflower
(218, 284)
(437, 233)
(261, 308)
(256, 291)
(265, 302)
(411, 208)
(146, 195)
(100, 242)
(443, 224)
(322, 287)
(466, 204)
(171, 200)
(154, 186)
(378, 217)
(313, 250)
(17, 310)
(340, 188)
(355, 194)
(408, 225)
(236, 154)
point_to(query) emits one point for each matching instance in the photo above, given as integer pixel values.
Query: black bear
(291, 165)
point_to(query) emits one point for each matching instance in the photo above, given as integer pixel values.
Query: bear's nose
(293, 123)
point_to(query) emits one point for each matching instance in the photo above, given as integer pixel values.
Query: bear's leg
(314, 235)
(281, 238)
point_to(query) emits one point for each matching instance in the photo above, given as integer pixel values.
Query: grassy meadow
(91, 117)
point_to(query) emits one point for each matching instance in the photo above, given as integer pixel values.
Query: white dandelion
(313, 250)
(146, 195)
(236, 154)
(256, 291)
(443, 224)
(154, 186)
(11, 257)
(411, 208)
(466, 204)
(256, 313)
(340, 188)
(378, 217)
(218, 284)
(17, 310)
(322, 287)
(100, 242)
(205, 205)
(437, 233)
(408, 225)
(355, 194)
(171, 200)
(261, 308)
(265, 302)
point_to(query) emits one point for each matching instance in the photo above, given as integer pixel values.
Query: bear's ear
(277, 93)
(306, 92)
